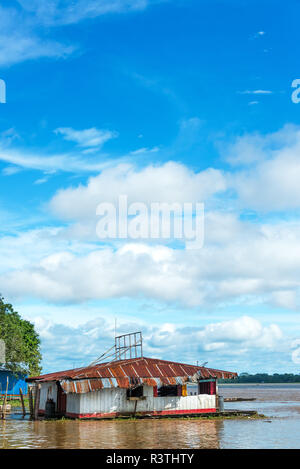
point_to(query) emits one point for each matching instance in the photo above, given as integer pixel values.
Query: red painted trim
(97, 415)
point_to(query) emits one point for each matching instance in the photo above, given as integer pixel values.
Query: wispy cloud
(11, 170)
(55, 12)
(255, 92)
(257, 35)
(88, 138)
(25, 28)
(41, 181)
(20, 48)
(143, 150)
(20, 39)
(61, 162)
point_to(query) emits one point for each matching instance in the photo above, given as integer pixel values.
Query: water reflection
(111, 434)
(280, 430)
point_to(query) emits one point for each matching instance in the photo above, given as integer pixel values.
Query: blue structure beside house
(14, 382)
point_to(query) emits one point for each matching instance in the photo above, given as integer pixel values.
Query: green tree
(264, 378)
(21, 341)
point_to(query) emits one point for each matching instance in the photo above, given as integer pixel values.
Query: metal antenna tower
(126, 346)
(129, 344)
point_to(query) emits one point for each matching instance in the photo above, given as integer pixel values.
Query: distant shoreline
(258, 384)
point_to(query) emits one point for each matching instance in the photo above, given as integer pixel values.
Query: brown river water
(281, 428)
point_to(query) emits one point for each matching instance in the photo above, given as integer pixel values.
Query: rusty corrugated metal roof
(129, 373)
(94, 384)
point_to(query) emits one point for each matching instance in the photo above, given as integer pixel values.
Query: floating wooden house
(130, 386)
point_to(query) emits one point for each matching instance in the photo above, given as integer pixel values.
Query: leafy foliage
(21, 341)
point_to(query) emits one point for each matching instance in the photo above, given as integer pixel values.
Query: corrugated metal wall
(48, 391)
(114, 400)
(73, 403)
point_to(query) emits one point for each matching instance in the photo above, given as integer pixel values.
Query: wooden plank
(135, 404)
(22, 402)
(36, 401)
(31, 404)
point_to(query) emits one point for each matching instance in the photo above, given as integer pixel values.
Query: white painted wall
(114, 400)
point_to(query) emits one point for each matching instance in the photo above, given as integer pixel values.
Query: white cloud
(239, 262)
(245, 330)
(87, 138)
(81, 344)
(226, 337)
(296, 352)
(265, 178)
(285, 299)
(169, 182)
(101, 274)
(272, 181)
(22, 249)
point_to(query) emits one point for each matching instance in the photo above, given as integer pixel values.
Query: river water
(281, 428)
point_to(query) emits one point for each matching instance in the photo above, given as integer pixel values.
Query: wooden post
(30, 403)
(135, 405)
(36, 401)
(22, 402)
(5, 400)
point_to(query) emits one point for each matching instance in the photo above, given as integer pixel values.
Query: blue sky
(168, 101)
